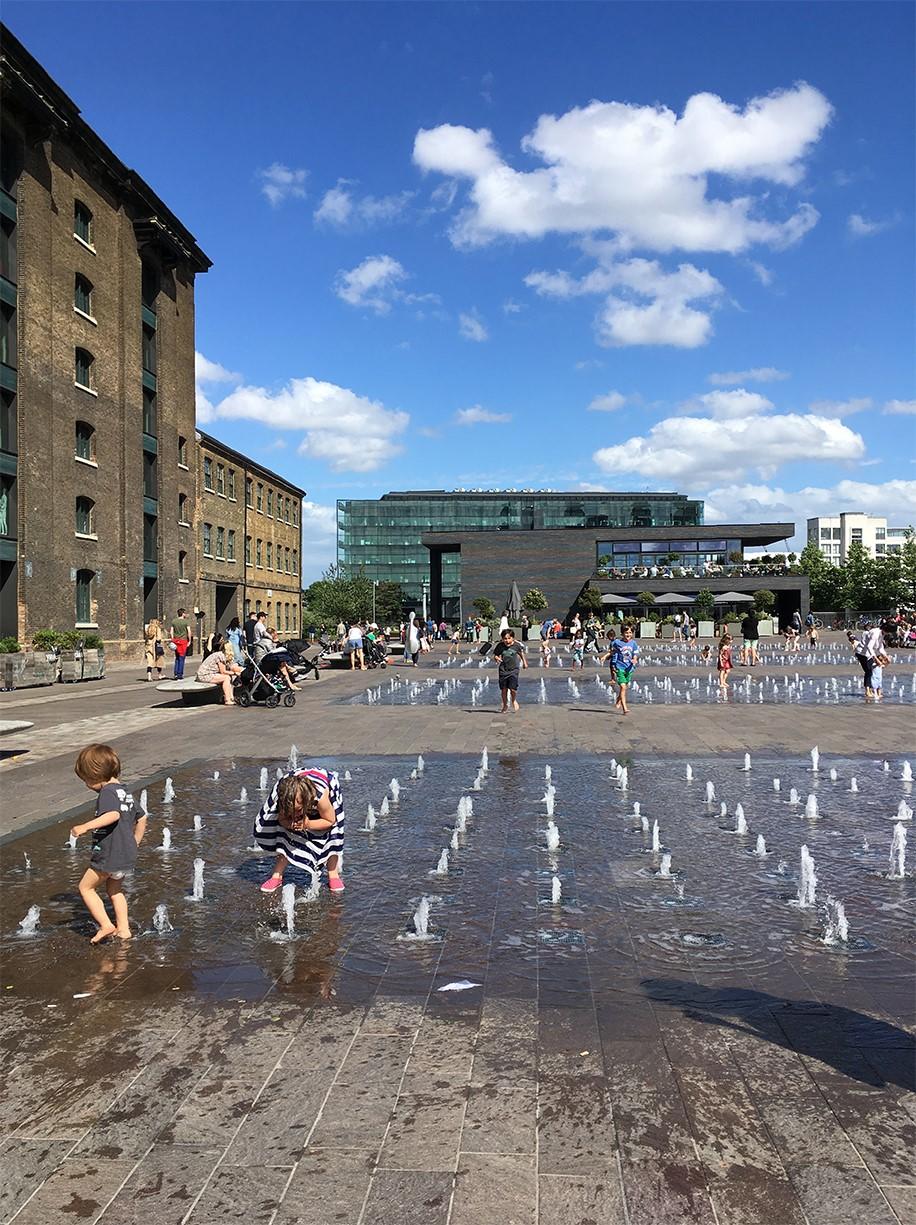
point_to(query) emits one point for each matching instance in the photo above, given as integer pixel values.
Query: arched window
(82, 222)
(85, 441)
(82, 294)
(84, 612)
(84, 516)
(182, 558)
(84, 360)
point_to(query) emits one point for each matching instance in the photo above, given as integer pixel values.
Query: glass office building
(382, 538)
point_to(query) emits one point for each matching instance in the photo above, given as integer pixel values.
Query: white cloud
(860, 227)
(477, 415)
(206, 373)
(689, 449)
(370, 283)
(608, 403)
(279, 183)
(763, 274)
(511, 307)
(732, 404)
(340, 207)
(758, 374)
(650, 306)
(319, 539)
(900, 406)
(472, 327)
(640, 172)
(350, 432)
(841, 408)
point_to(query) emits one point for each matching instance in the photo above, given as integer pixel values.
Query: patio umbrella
(610, 598)
(672, 597)
(734, 597)
(514, 600)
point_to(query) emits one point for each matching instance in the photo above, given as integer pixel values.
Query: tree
(485, 608)
(764, 602)
(534, 600)
(590, 599)
(858, 589)
(908, 566)
(389, 603)
(705, 604)
(889, 587)
(646, 599)
(333, 598)
(825, 580)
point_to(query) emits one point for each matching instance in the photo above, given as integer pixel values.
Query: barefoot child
(623, 655)
(724, 661)
(302, 822)
(511, 657)
(117, 830)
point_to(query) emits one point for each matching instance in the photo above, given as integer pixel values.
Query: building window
(149, 349)
(85, 441)
(294, 618)
(221, 479)
(82, 294)
(84, 516)
(182, 451)
(207, 539)
(230, 545)
(84, 597)
(286, 617)
(150, 423)
(286, 561)
(230, 483)
(221, 542)
(857, 534)
(149, 286)
(183, 508)
(295, 562)
(837, 533)
(8, 423)
(208, 474)
(150, 542)
(880, 533)
(257, 553)
(879, 548)
(150, 476)
(248, 492)
(270, 555)
(84, 360)
(82, 222)
(247, 550)
(8, 256)
(8, 339)
(182, 559)
(260, 496)
(270, 502)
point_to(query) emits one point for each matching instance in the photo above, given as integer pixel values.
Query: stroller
(375, 654)
(261, 683)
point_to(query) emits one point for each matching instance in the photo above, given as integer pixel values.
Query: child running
(624, 655)
(578, 650)
(511, 656)
(117, 830)
(302, 822)
(724, 662)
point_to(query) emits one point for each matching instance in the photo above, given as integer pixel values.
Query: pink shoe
(335, 884)
(272, 884)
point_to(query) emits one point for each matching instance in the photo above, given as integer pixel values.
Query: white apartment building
(835, 533)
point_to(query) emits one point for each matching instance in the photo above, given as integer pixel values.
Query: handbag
(160, 650)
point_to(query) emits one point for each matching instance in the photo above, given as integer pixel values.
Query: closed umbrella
(514, 600)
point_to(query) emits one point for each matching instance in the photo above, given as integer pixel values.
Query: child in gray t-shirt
(117, 830)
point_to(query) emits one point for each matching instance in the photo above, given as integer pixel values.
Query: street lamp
(374, 585)
(425, 585)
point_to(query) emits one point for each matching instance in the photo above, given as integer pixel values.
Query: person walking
(526, 625)
(750, 634)
(412, 640)
(235, 638)
(724, 662)
(511, 658)
(180, 634)
(624, 657)
(302, 823)
(153, 648)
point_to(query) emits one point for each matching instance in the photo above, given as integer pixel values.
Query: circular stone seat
(7, 726)
(191, 690)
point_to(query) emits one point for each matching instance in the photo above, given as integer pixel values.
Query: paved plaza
(580, 1038)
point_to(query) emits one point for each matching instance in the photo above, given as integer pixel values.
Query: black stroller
(261, 682)
(304, 656)
(374, 653)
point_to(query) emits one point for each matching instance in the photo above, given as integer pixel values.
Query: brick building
(96, 373)
(249, 540)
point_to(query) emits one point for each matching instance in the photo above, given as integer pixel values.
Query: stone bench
(14, 725)
(192, 691)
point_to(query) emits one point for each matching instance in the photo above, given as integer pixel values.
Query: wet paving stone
(682, 1050)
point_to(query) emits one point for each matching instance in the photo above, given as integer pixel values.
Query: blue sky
(625, 246)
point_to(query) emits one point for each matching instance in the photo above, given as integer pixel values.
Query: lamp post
(424, 585)
(374, 585)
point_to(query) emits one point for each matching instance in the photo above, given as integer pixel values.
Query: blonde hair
(97, 763)
(294, 790)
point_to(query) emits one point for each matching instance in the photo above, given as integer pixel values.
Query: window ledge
(184, 580)
(86, 625)
(88, 245)
(183, 467)
(209, 489)
(90, 463)
(183, 523)
(230, 561)
(88, 390)
(210, 555)
(85, 535)
(218, 494)
(233, 499)
(89, 318)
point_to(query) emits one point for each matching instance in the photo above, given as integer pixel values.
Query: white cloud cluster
(349, 432)
(858, 226)
(478, 415)
(472, 327)
(639, 172)
(280, 182)
(841, 408)
(342, 208)
(644, 304)
(207, 373)
(319, 539)
(690, 449)
(729, 405)
(757, 374)
(907, 407)
(608, 403)
(370, 283)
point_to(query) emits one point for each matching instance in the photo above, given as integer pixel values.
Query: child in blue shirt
(623, 655)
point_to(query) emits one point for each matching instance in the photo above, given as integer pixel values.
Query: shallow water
(724, 912)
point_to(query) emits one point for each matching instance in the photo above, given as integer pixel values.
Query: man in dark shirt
(511, 657)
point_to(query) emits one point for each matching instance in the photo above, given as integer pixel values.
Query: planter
(667, 631)
(647, 629)
(765, 628)
(734, 628)
(706, 629)
(27, 669)
(85, 665)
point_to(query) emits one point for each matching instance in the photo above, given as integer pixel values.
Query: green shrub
(45, 640)
(93, 642)
(9, 646)
(70, 640)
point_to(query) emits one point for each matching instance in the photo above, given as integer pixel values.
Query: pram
(261, 682)
(305, 656)
(374, 653)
